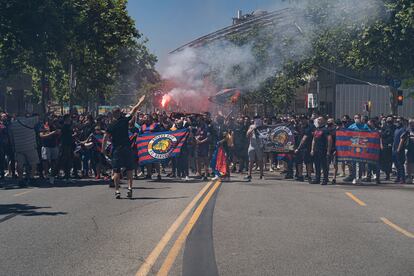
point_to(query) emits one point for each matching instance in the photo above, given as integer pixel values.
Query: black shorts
(98, 158)
(333, 158)
(202, 152)
(122, 157)
(410, 156)
(303, 156)
(241, 153)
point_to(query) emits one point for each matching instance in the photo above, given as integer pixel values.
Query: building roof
(257, 18)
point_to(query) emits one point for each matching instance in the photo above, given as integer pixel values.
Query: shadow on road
(236, 181)
(383, 186)
(155, 198)
(150, 188)
(13, 184)
(12, 210)
(172, 180)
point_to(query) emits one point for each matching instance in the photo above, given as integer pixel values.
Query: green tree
(98, 38)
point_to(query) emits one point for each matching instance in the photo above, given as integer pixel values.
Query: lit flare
(165, 100)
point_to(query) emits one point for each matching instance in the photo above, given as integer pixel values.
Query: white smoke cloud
(290, 39)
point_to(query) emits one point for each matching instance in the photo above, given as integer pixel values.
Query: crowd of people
(83, 146)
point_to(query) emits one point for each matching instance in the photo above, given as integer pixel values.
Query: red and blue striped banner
(160, 146)
(132, 138)
(358, 146)
(99, 141)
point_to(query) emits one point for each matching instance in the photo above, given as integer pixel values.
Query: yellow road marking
(153, 256)
(22, 193)
(397, 228)
(172, 255)
(354, 198)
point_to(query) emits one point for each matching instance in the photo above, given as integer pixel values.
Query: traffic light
(400, 97)
(368, 106)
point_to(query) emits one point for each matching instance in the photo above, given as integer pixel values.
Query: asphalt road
(267, 227)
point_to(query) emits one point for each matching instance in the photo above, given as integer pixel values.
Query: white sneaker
(356, 181)
(51, 180)
(140, 174)
(216, 178)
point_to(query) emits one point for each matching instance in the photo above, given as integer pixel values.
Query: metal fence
(351, 98)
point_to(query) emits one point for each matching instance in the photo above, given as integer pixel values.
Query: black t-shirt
(387, 135)
(321, 139)
(298, 133)
(4, 135)
(308, 132)
(213, 132)
(66, 138)
(86, 130)
(410, 146)
(240, 138)
(119, 132)
(51, 141)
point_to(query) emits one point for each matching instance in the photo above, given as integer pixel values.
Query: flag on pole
(160, 146)
(219, 161)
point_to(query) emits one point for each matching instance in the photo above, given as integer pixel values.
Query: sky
(168, 24)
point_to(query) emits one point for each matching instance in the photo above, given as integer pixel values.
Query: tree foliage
(388, 44)
(384, 43)
(98, 37)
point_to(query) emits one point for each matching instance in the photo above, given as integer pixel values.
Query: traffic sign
(395, 83)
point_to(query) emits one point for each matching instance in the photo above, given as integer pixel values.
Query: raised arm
(250, 132)
(136, 107)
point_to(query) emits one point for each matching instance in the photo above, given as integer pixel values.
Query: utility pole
(70, 85)
(393, 101)
(394, 85)
(45, 92)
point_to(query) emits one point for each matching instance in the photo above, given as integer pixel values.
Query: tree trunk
(393, 101)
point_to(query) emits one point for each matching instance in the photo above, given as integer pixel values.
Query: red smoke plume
(187, 99)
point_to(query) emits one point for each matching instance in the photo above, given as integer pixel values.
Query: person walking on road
(49, 135)
(122, 156)
(387, 139)
(358, 125)
(321, 150)
(255, 150)
(302, 152)
(66, 155)
(408, 141)
(398, 152)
